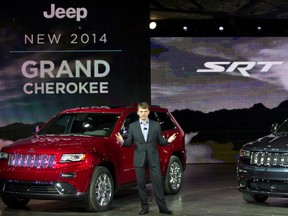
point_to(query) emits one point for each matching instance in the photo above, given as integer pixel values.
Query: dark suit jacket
(145, 149)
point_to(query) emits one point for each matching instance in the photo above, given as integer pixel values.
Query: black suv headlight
(244, 153)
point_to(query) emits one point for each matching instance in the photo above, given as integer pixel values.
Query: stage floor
(208, 189)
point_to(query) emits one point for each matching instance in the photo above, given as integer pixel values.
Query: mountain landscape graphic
(237, 126)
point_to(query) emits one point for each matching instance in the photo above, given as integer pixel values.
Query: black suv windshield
(283, 128)
(93, 124)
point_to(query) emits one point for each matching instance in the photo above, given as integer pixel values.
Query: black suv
(262, 169)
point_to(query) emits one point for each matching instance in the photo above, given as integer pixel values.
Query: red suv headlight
(72, 157)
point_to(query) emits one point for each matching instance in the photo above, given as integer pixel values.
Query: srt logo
(241, 66)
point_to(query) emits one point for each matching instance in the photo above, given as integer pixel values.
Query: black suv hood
(271, 141)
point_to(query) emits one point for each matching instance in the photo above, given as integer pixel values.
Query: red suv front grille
(31, 160)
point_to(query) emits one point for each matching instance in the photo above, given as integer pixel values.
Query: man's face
(143, 113)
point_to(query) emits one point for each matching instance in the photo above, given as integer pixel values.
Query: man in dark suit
(146, 134)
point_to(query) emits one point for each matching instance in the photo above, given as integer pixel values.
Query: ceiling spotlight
(152, 25)
(185, 28)
(259, 28)
(221, 28)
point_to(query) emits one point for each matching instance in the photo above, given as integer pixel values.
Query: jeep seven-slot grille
(269, 159)
(31, 160)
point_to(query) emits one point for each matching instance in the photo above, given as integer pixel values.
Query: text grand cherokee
(75, 156)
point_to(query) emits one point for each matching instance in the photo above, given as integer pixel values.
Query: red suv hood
(55, 143)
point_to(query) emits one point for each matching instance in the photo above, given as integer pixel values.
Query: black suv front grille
(269, 185)
(269, 159)
(31, 160)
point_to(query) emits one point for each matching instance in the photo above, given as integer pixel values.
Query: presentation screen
(65, 54)
(224, 91)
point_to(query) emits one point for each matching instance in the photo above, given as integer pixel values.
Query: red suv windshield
(93, 124)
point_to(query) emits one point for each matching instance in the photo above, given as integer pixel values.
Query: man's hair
(143, 105)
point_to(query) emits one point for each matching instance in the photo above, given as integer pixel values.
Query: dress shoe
(166, 211)
(143, 212)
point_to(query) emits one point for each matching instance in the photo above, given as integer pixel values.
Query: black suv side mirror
(274, 127)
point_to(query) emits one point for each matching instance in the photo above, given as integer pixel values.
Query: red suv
(75, 156)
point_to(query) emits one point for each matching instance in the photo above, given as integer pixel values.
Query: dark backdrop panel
(71, 53)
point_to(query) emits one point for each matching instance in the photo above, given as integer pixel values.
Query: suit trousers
(157, 184)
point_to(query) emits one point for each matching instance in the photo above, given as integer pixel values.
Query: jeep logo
(60, 13)
(242, 66)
